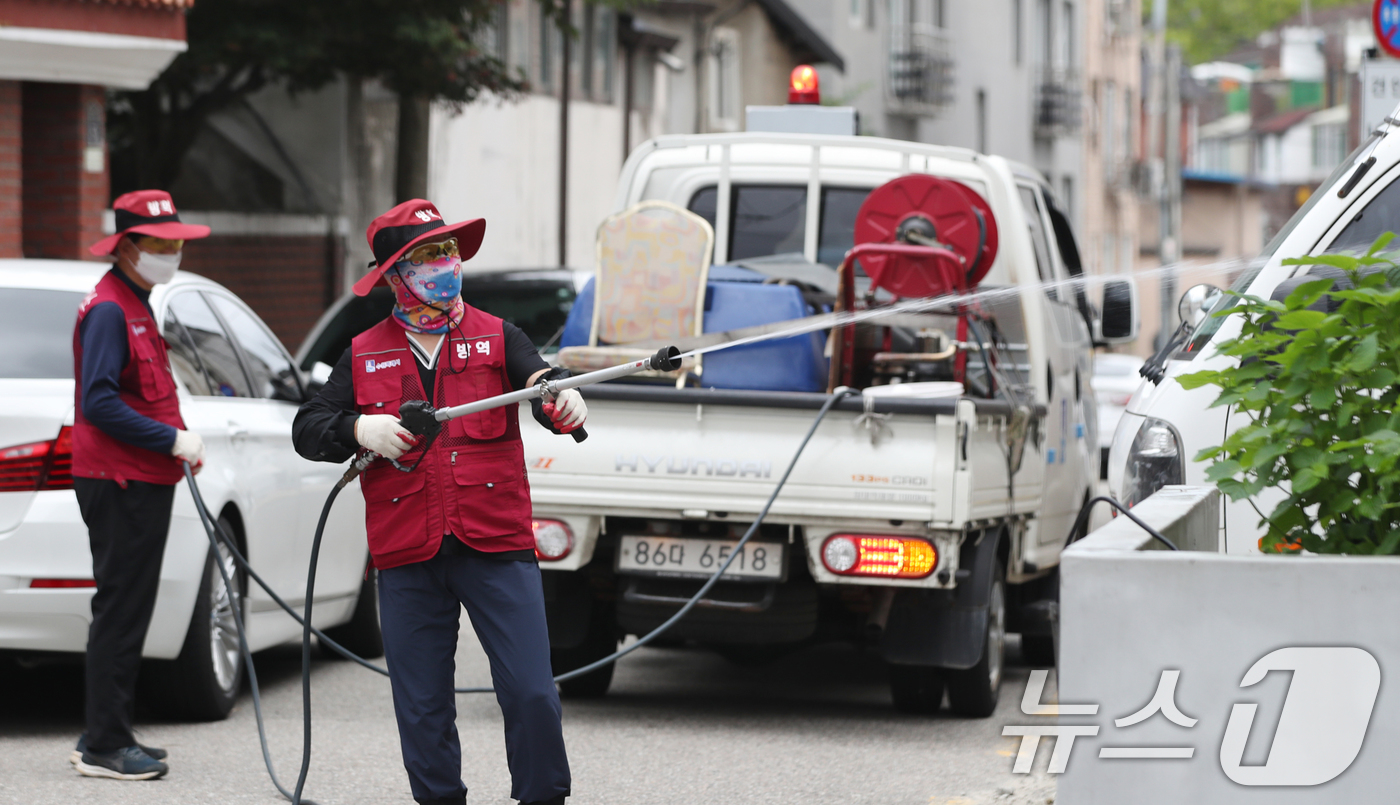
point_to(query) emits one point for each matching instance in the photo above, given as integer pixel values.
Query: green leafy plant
(1320, 391)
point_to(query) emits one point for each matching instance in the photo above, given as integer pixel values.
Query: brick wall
(283, 278)
(63, 197)
(11, 231)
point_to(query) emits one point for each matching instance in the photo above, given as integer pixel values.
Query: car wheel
(916, 689)
(973, 692)
(202, 684)
(361, 635)
(598, 642)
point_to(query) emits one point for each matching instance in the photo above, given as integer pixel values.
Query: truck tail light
(803, 85)
(887, 557)
(38, 465)
(60, 584)
(553, 539)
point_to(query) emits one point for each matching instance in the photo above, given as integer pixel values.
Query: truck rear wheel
(361, 634)
(1038, 650)
(916, 689)
(974, 691)
(599, 642)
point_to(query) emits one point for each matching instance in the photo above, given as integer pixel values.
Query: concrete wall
(1309, 628)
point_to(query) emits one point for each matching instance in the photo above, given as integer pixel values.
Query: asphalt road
(679, 726)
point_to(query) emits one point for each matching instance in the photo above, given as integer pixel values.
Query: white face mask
(157, 268)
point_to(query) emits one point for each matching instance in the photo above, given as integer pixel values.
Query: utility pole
(1171, 195)
(565, 24)
(1160, 135)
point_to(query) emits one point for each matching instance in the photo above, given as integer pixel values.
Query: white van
(1165, 425)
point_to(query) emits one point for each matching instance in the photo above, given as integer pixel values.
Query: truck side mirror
(1119, 321)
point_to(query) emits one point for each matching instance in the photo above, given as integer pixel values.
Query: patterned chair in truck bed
(653, 261)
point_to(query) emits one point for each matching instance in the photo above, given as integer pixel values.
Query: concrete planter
(1315, 638)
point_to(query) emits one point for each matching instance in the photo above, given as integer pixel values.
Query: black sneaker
(123, 764)
(77, 753)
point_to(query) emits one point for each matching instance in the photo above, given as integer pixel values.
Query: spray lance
(421, 419)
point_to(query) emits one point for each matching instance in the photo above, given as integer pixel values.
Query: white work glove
(382, 434)
(190, 447)
(567, 412)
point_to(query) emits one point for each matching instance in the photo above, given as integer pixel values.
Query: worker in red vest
(128, 442)
(454, 531)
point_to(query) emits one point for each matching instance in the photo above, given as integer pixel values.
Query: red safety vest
(145, 384)
(471, 482)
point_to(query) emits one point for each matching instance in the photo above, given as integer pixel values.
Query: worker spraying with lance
(448, 515)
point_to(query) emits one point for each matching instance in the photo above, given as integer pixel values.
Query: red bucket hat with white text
(147, 212)
(407, 225)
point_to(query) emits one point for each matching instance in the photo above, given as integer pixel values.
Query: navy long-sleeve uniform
(105, 355)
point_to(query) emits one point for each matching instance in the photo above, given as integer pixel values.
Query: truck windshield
(772, 219)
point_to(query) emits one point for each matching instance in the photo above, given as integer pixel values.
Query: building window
(1126, 152)
(1044, 50)
(518, 51)
(724, 80)
(548, 41)
(1018, 28)
(1329, 143)
(982, 121)
(862, 14)
(604, 53)
(1066, 32)
(1109, 136)
(581, 62)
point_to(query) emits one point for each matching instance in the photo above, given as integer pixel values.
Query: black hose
(1083, 518)
(216, 534)
(209, 527)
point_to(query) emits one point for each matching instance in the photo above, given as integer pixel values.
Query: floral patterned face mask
(428, 296)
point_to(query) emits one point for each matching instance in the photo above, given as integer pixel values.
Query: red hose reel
(920, 236)
(917, 237)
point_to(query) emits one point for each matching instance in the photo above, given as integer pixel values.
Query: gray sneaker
(77, 753)
(129, 763)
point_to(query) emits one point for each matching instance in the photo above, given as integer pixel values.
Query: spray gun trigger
(418, 417)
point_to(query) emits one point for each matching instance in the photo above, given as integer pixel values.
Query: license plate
(699, 558)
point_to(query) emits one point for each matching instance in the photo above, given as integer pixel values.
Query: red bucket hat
(407, 225)
(147, 212)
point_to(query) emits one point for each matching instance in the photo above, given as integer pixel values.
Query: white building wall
(501, 162)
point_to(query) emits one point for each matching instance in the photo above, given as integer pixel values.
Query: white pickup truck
(904, 526)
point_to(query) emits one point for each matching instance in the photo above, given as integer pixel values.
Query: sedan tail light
(38, 465)
(553, 539)
(60, 584)
(870, 555)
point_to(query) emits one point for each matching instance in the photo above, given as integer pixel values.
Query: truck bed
(667, 453)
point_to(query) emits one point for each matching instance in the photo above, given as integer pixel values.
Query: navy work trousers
(419, 610)
(127, 528)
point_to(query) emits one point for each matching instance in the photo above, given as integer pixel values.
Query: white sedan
(1115, 379)
(239, 390)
